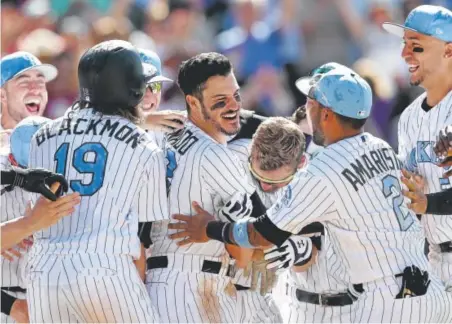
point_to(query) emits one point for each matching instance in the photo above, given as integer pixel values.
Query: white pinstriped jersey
(13, 205)
(418, 131)
(119, 173)
(157, 137)
(328, 274)
(353, 188)
(202, 170)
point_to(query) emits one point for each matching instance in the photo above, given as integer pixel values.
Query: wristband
(226, 233)
(240, 233)
(214, 230)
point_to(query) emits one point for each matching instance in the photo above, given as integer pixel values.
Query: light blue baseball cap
(341, 89)
(21, 136)
(429, 20)
(152, 66)
(14, 64)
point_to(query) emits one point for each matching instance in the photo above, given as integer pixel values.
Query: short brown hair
(277, 142)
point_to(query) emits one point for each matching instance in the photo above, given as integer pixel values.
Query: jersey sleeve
(242, 149)
(307, 199)
(224, 174)
(152, 198)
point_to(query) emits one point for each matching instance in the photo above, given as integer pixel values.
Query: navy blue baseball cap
(429, 20)
(341, 89)
(152, 66)
(14, 64)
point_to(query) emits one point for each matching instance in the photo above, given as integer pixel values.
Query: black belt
(15, 289)
(159, 262)
(446, 247)
(240, 287)
(340, 299)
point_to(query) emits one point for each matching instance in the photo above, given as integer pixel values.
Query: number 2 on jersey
(405, 219)
(79, 161)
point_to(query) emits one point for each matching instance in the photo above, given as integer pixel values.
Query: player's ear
(3, 96)
(448, 51)
(192, 101)
(302, 162)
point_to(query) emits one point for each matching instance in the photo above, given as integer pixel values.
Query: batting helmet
(111, 76)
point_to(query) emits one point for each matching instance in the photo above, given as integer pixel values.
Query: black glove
(415, 282)
(39, 181)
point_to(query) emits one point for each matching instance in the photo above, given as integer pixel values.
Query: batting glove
(296, 250)
(238, 207)
(39, 181)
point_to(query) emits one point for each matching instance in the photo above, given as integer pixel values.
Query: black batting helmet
(111, 77)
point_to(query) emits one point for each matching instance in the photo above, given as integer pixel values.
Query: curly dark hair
(194, 72)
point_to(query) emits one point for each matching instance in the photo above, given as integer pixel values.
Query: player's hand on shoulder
(19, 311)
(238, 207)
(296, 250)
(415, 185)
(166, 121)
(47, 212)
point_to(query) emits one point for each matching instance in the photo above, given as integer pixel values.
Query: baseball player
(271, 160)
(427, 37)
(13, 205)
(157, 122)
(322, 293)
(352, 186)
(81, 269)
(200, 167)
(23, 87)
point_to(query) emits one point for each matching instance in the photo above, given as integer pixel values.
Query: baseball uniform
(187, 284)
(81, 268)
(252, 307)
(327, 276)
(353, 188)
(418, 130)
(13, 205)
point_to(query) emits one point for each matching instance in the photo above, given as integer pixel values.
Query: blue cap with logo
(14, 64)
(21, 136)
(341, 89)
(152, 66)
(429, 20)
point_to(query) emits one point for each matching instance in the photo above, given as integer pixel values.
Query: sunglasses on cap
(269, 181)
(155, 87)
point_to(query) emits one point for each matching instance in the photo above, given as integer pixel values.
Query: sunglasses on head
(155, 87)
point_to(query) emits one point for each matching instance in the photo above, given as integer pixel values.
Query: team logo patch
(285, 200)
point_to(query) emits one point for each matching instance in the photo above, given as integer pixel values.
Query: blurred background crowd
(270, 42)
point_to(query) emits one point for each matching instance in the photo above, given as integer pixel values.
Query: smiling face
(150, 102)
(219, 104)
(23, 96)
(426, 58)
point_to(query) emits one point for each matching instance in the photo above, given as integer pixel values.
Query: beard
(318, 138)
(206, 116)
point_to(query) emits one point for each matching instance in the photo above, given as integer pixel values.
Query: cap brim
(304, 85)
(48, 71)
(396, 29)
(159, 78)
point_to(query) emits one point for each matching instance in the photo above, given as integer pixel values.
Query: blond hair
(277, 142)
